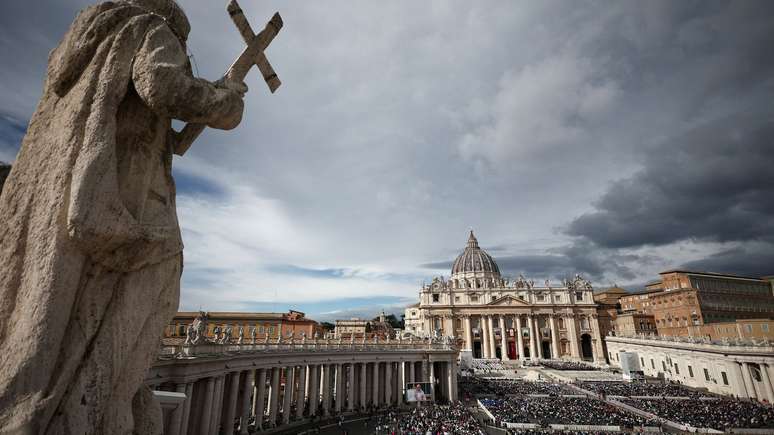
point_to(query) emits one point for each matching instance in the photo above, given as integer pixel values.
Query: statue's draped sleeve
(162, 78)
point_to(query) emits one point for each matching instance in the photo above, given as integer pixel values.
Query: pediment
(508, 301)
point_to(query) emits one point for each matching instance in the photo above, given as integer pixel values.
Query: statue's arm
(163, 80)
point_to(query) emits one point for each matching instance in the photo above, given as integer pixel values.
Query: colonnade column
(274, 396)
(388, 386)
(176, 419)
(231, 403)
(217, 404)
(432, 379)
(375, 383)
(401, 382)
(247, 389)
(503, 340)
(451, 376)
(410, 375)
(259, 404)
(189, 387)
(748, 383)
(209, 396)
(490, 330)
(287, 398)
(339, 388)
(519, 338)
(554, 337)
(325, 385)
(468, 333)
(301, 393)
(363, 381)
(351, 387)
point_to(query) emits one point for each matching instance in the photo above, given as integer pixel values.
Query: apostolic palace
(508, 319)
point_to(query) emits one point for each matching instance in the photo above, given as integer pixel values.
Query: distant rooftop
(713, 274)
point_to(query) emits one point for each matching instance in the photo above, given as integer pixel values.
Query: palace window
(541, 298)
(690, 371)
(579, 296)
(765, 327)
(677, 369)
(652, 364)
(725, 378)
(456, 299)
(748, 327)
(474, 299)
(663, 365)
(706, 375)
(436, 297)
(642, 361)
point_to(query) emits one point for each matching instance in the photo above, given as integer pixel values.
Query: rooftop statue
(90, 244)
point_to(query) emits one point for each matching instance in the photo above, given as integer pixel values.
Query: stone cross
(251, 56)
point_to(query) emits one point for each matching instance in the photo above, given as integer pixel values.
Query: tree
(328, 326)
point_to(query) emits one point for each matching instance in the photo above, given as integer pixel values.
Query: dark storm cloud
(714, 183)
(755, 260)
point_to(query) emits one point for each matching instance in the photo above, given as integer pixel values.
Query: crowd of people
(636, 389)
(563, 410)
(488, 367)
(473, 386)
(433, 419)
(718, 414)
(566, 365)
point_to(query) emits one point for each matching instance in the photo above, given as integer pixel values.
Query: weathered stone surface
(90, 247)
(5, 169)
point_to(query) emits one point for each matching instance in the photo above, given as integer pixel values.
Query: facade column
(401, 382)
(410, 375)
(538, 338)
(748, 382)
(339, 389)
(425, 375)
(554, 337)
(287, 397)
(767, 388)
(599, 353)
(503, 340)
(259, 404)
(452, 380)
(432, 379)
(363, 382)
(388, 386)
(209, 397)
(176, 419)
(351, 387)
(314, 389)
(482, 332)
(231, 403)
(301, 394)
(468, 333)
(572, 328)
(247, 389)
(490, 330)
(519, 338)
(274, 396)
(326, 390)
(532, 340)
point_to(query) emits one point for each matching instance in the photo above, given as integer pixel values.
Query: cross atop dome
(472, 242)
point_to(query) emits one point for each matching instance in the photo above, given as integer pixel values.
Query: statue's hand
(232, 107)
(237, 86)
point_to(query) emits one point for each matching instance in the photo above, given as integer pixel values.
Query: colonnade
(563, 333)
(227, 397)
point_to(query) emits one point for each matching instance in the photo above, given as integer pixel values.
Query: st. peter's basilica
(486, 310)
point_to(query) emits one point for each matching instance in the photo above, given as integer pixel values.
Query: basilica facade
(508, 319)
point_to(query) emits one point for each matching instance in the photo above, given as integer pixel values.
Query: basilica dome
(474, 261)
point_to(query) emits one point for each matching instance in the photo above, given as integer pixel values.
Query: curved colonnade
(276, 384)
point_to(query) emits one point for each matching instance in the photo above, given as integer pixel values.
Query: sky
(615, 139)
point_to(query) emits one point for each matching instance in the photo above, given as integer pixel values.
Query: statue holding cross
(90, 246)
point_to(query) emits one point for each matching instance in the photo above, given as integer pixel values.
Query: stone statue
(190, 334)
(240, 334)
(216, 334)
(89, 237)
(90, 244)
(253, 333)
